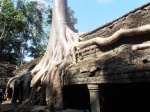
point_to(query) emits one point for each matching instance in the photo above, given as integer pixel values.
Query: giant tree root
(140, 46)
(113, 38)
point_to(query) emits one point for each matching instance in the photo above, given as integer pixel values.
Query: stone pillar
(94, 98)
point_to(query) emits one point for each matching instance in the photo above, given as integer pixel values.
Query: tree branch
(2, 35)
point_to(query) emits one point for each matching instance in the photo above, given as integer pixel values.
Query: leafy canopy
(24, 29)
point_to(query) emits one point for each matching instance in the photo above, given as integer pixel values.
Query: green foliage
(9, 42)
(24, 29)
(73, 20)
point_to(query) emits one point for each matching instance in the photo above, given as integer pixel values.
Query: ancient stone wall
(115, 63)
(6, 71)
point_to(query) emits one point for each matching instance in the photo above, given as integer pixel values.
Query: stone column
(94, 98)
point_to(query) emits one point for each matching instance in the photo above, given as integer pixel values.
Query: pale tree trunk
(59, 54)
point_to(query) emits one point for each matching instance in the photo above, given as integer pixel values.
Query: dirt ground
(7, 107)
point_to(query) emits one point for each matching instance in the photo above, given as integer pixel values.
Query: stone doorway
(76, 97)
(132, 97)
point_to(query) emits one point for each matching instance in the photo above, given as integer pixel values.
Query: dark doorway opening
(76, 97)
(133, 97)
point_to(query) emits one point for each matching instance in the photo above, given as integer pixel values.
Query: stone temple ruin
(112, 78)
(6, 72)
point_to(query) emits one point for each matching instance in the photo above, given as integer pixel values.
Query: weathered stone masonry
(6, 72)
(115, 63)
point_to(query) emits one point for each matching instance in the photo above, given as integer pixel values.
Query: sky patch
(105, 1)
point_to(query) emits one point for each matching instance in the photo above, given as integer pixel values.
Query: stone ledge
(119, 78)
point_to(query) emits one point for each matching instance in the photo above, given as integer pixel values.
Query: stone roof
(27, 66)
(6, 69)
